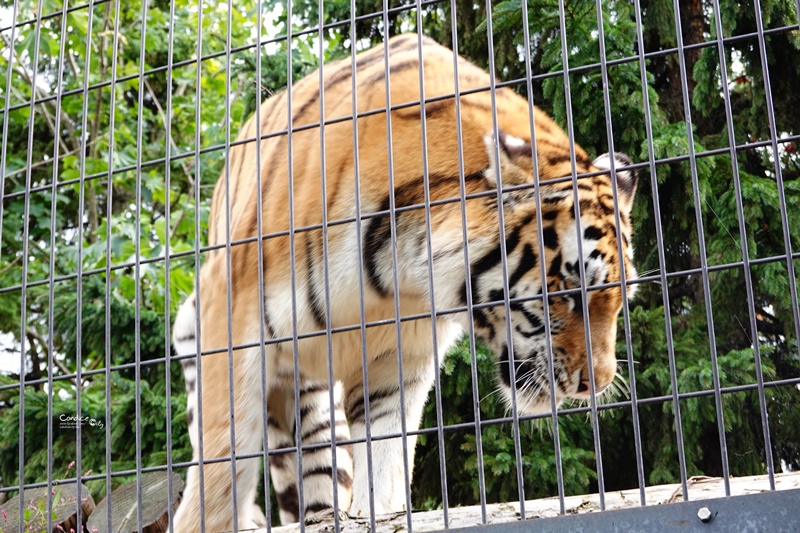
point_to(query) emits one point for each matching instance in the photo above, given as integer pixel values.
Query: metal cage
(117, 118)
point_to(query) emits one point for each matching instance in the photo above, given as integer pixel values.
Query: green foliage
(588, 108)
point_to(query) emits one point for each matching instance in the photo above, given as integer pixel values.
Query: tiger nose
(584, 387)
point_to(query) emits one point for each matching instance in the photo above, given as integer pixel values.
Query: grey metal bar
(360, 253)
(167, 264)
(293, 263)
(661, 252)
(638, 281)
(198, 301)
(137, 274)
(216, 148)
(504, 268)
(660, 242)
(462, 193)
(437, 387)
(579, 241)
(787, 239)
(748, 280)
(6, 105)
(51, 284)
(79, 313)
(548, 341)
(623, 275)
(24, 294)
(700, 231)
(260, 271)
(109, 197)
(229, 272)
(326, 267)
(395, 276)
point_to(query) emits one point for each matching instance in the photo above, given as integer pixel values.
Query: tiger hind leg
(214, 512)
(322, 489)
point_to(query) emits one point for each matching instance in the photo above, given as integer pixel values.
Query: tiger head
(566, 245)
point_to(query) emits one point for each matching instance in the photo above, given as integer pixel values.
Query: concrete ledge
(699, 488)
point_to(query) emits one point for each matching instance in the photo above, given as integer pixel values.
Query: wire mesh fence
(402, 286)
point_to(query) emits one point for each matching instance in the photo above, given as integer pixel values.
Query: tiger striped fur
(291, 305)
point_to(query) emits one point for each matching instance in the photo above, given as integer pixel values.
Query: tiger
(355, 220)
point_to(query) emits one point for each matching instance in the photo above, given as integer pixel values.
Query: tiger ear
(505, 160)
(626, 178)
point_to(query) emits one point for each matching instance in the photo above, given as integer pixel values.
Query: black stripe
(526, 263)
(279, 460)
(322, 426)
(317, 507)
(267, 320)
(378, 231)
(312, 388)
(376, 237)
(555, 266)
(356, 411)
(288, 501)
(494, 257)
(482, 321)
(374, 417)
(533, 320)
(593, 232)
(342, 476)
(550, 237)
(185, 338)
(305, 411)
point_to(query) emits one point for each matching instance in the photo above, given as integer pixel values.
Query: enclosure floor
(699, 488)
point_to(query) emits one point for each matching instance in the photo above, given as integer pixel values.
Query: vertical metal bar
(701, 240)
(504, 267)
(325, 263)
(6, 105)
(579, 242)
(360, 253)
(476, 409)
(24, 278)
(198, 346)
(293, 263)
(167, 261)
(229, 272)
(262, 334)
(748, 275)
(137, 274)
(437, 386)
(787, 239)
(109, 213)
(637, 434)
(52, 265)
(542, 265)
(3, 152)
(407, 469)
(623, 275)
(661, 260)
(79, 315)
